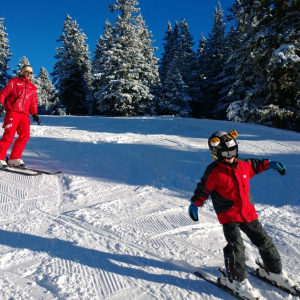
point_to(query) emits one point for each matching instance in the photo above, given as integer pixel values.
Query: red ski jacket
(229, 188)
(21, 96)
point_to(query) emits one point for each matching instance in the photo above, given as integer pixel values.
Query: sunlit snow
(114, 224)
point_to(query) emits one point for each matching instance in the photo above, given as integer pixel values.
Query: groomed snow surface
(114, 225)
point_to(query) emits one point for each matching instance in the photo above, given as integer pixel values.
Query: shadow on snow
(104, 261)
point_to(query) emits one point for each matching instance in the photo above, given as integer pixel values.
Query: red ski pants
(14, 122)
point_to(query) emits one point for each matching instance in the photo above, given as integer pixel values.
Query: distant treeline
(246, 70)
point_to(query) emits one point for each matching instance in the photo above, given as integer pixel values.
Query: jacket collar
(22, 78)
(228, 166)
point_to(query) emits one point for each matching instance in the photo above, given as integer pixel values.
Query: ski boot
(3, 164)
(242, 288)
(16, 163)
(281, 279)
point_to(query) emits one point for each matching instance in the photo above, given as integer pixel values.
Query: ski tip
(296, 291)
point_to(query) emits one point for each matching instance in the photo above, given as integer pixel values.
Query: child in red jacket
(226, 181)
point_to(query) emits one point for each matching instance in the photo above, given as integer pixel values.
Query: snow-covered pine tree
(246, 92)
(212, 62)
(196, 103)
(175, 99)
(201, 55)
(17, 73)
(148, 72)
(172, 47)
(72, 71)
(126, 67)
(227, 77)
(104, 44)
(186, 58)
(22, 62)
(267, 85)
(167, 56)
(187, 61)
(178, 51)
(4, 55)
(283, 68)
(46, 93)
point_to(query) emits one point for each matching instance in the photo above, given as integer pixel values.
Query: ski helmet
(222, 144)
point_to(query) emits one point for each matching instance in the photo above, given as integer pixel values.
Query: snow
(114, 224)
(286, 54)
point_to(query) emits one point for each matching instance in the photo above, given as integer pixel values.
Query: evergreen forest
(246, 70)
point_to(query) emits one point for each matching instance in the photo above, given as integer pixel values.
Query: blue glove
(277, 166)
(193, 212)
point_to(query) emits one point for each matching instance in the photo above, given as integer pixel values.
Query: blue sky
(34, 26)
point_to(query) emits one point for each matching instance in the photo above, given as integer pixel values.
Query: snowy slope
(115, 226)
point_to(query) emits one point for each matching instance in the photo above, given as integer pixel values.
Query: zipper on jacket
(24, 95)
(243, 184)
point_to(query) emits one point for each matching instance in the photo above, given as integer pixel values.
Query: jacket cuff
(266, 164)
(198, 202)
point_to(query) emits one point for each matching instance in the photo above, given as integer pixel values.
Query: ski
(20, 172)
(43, 171)
(33, 170)
(254, 271)
(216, 281)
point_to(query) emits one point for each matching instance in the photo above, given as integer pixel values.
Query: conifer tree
(197, 110)
(283, 67)
(168, 55)
(126, 68)
(266, 89)
(187, 61)
(178, 52)
(201, 55)
(251, 17)
(101, 54)
(226, 79)
(46, 93)
(171, 49)
(212, 62)
(22, 62)
(186, 57)
(4, 55)
(175, 99)
(72, 71)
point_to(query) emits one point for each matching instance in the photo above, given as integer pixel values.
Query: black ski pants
(234, 252)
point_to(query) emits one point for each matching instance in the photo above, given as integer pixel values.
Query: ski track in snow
(114, 224)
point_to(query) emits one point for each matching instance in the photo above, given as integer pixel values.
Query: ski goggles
(229, 153)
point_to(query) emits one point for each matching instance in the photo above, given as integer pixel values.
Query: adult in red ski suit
(226, 181)
(21, 100)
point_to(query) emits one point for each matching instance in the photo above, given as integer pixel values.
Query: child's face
(229, 160)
